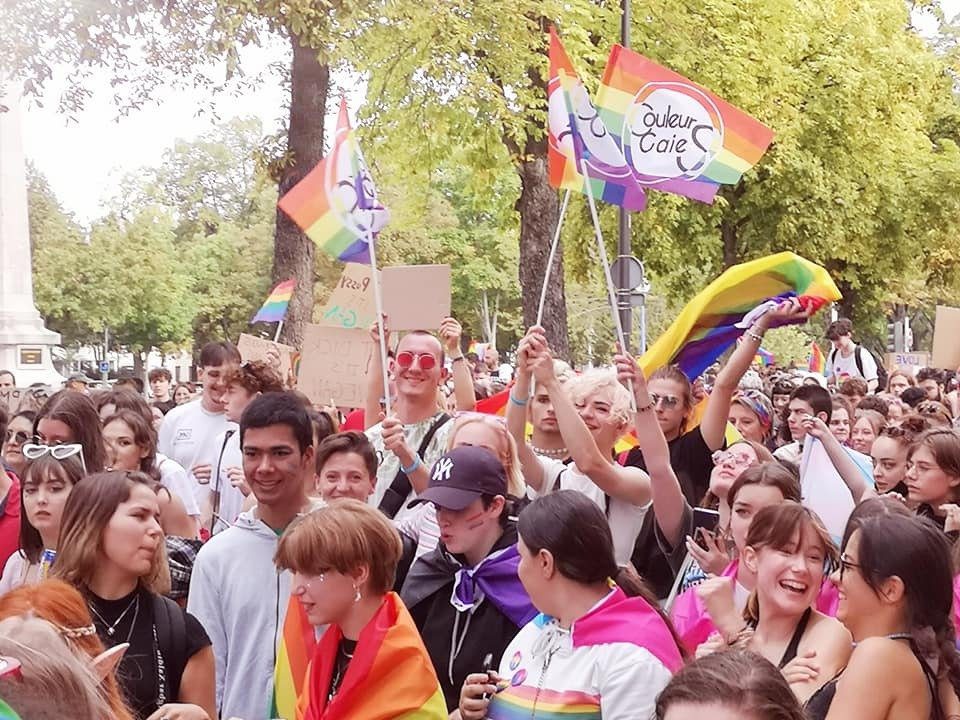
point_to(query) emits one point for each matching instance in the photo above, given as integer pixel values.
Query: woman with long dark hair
(895, 581)
(598, 648)
(71, 417)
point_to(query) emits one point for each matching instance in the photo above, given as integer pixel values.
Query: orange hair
(60, 604)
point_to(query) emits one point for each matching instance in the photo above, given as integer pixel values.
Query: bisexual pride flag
(675, 135)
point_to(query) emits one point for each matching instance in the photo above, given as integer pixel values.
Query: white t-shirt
(188, 435)
(846, 367)
(174, 478)
(389, 464)
(625, 518)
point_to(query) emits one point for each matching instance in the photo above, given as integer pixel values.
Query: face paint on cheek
(473, 522)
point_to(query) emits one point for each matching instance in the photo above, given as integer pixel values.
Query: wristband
(455, 359)
(413, 466)
(645, 408)
(754, 336)
(518, 403)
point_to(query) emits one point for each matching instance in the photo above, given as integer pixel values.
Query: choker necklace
(558, 454)
(112, 628)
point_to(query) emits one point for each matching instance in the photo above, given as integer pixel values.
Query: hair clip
(79, 632)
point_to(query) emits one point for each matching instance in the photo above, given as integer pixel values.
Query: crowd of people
(612, 545)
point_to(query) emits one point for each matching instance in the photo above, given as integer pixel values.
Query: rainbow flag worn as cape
(571, 115)
(7, 712)
(390, 676)
(713, 320)
(336, 203)
(275, 306)
(817, 362)
(676, 136)
(298, 642)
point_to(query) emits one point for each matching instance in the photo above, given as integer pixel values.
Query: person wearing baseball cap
(469, 583)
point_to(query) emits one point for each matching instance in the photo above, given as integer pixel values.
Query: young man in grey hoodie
(236, 591)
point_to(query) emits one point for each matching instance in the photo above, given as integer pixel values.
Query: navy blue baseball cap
(461, 476)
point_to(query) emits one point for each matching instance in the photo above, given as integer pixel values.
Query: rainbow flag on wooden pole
(274, 308)
(336, 206)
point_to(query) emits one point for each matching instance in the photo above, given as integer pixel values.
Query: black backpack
(881, 370)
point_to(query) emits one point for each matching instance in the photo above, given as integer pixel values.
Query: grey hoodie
(240, 599)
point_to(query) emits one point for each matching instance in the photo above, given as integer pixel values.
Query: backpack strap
(400, 488)
(171, 626)
(858, 359)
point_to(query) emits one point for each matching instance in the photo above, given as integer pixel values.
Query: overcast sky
(84, 161)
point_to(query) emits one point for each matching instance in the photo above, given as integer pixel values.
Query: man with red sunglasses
(414, 436)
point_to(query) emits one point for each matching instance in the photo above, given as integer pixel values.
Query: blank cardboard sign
(946, 338)
(333, 365)
(416, 297)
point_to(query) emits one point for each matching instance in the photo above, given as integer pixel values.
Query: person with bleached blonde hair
(593, 411)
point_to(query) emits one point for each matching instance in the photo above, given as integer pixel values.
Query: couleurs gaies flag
(275, 306)
(721, 312)
(336, 203)
(675, 135)
(297, 645)
(569, 108)
(817, 362)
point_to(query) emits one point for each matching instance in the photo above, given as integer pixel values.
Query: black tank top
(791, 652)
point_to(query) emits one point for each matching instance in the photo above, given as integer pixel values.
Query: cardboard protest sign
(256, 348)
(946, 338)
(333, 365)
(351, 305)
(909, 362)
(17, 399)
(416, 297)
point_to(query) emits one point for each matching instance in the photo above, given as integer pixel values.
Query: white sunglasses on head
(32, 451)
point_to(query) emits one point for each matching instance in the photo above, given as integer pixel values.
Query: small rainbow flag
(764, 357)
(676, 136)
(575, 132)
(817, 362)
(275, 306)
(336, 203)
(720, 313)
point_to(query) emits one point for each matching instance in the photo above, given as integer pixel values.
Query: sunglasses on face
(426, 361)
(32, 451)
(17, 438)
(724, 456)
(667, 401)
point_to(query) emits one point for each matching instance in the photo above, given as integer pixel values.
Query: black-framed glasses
(668, 401)
(847, 564)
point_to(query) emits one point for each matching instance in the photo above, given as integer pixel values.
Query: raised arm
(714, 423)
(450, 333)
(845, 466)
(517, 417)
(625, 483)
(665, 492)
(375, 389)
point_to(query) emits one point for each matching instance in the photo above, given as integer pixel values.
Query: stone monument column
(24, 341)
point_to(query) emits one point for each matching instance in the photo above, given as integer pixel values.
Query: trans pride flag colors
(275, 306)
(675, 135)
(336, 203)
(721, 312)
(575, 132)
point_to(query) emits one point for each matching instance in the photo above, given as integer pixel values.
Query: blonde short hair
(508, 454)
(343, 536)
(580, 387)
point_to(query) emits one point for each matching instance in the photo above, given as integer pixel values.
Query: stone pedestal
(24, 341)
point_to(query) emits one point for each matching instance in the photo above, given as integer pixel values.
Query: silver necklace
(558, 454)
(112, 628)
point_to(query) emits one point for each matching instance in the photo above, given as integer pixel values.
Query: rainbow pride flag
(817, 362)
(275, 306)
(575, 132)
(7, 712)
(390, 676)
(298, 642)
(675, 135)
(764, 357)
(336, 204)
(713, 320)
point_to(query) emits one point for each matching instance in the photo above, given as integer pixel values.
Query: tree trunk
(539, 211)
(293, 254)
(728, 233)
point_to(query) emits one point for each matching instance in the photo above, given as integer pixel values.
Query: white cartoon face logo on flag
(354, 196)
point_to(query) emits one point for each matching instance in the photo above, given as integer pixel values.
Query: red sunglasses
(426, 361)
